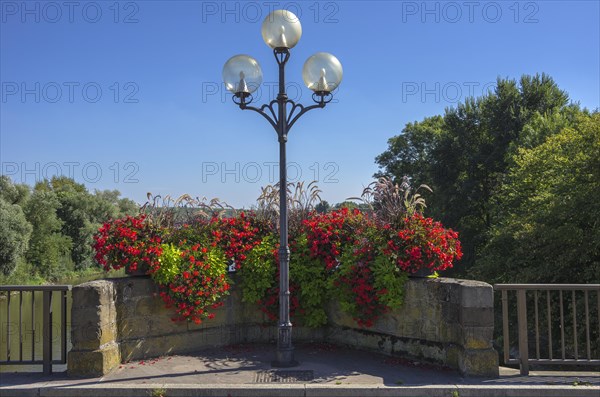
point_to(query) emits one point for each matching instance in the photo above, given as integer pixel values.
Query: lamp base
(284, 359)
(284, 364)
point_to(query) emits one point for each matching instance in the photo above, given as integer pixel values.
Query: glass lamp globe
(322, 72)
(281, 29)
(242, 75)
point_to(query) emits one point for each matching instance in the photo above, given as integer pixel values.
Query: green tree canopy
(14, 235)
(48, 249)
(549, 212)
(52, 225)
(13, 193)
(323, 207)
(82, 213)
(465, 154)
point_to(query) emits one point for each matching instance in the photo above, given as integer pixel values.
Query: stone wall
(446, 321)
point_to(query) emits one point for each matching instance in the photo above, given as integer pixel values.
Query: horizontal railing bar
(36, 362)
(578, 287)
(17, 288)
(569, 361)
(569, 289)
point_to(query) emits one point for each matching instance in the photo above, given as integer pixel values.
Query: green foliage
(258, 273)
(309, 274)
(170, 264)
(48, 248)
(200, 284)
(346, 204)
(62, 217)
(465, 154)
(410, 152)
(23, 274)
(323, 207)
(550, 209)
(159, 392)
(343, 254)
(197, 232)
(74, 211)
(108, 204)
(366, 280)
(387, 277)
(14, 236)
(217, 262)
(82, 213)
(13, 194)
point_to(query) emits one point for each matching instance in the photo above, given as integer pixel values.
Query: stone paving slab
(245, 370)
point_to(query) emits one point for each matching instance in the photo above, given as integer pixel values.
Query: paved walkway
(324, 370)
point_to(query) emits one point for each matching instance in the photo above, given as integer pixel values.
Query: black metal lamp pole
(282, 121)
(322, 73)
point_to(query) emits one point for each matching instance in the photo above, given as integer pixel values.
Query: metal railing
(12, 291)
(555, 297)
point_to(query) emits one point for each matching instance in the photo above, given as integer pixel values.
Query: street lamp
(242, 75)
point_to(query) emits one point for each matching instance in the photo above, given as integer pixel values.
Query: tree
(323, 207)
(464, 155)
(82, 214)
(11, 193)
(345, 204)
(49, 249)
(74, 211)
(52, 227)
(15, 232)
(410, 152)
(108, 204)
(549, 228)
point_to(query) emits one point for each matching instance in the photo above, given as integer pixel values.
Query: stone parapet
(95, 350)
(445, 321)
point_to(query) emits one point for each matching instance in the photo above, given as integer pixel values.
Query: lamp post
(242, 75)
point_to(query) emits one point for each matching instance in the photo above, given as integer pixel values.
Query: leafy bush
(200, 285)
(365, 281)
(169, 264)
(258, 273)
(362, 260)
(14, 236)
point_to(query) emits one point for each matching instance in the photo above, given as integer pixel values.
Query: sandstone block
(95, 362)
(482, 362)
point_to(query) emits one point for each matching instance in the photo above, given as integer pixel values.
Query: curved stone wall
(446, 321)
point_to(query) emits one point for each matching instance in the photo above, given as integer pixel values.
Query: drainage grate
(284, 376)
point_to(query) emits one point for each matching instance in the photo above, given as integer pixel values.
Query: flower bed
(359, 258)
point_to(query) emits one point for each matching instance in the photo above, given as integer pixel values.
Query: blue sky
(128, 95)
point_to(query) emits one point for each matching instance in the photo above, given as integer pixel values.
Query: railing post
(522, 329)
(8, 326)
(505, 334)
(47, 332)
(63, 327)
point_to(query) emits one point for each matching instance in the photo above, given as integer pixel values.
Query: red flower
(127, 242)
